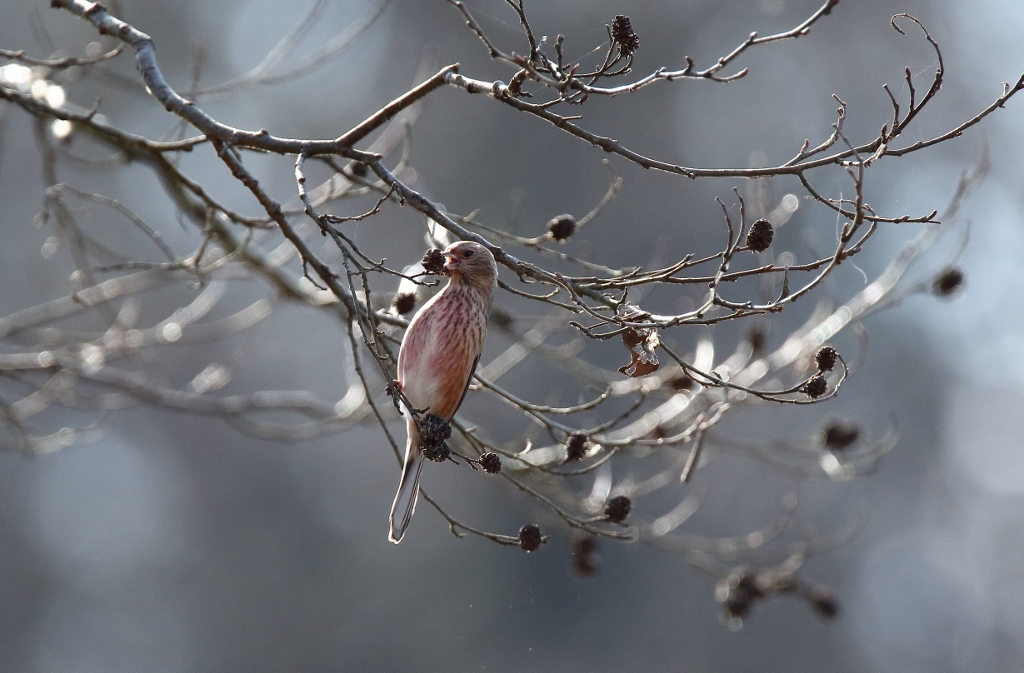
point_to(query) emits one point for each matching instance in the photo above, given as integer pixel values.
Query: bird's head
(471, 263)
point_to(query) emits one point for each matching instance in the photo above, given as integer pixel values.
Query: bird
(439, 354)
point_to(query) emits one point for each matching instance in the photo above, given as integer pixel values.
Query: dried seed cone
(404, 302)
(437, 453)
(826, 358)
(840, 434)
(490, 462)
(948, 282)
(562, 227)
(434, 430)
(622, 33)
(760, 235)
(433, 261)
(530, 537)
(816, 386)
(576, 446)
(618, 509)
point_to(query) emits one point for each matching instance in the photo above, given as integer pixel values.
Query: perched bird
(439, 354)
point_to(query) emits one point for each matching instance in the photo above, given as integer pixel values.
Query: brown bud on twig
(948, 282)
(618, 509)
(530, 537)
(623, 35)
(490, 462)
(562, 227)
(760, 235)
(359, 169)
(576, 446)
(840, 434)
(826, 358)
(816, 386)
(433, 261)
(404, 302)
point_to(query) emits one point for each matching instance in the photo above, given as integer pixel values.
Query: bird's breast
(439, 349)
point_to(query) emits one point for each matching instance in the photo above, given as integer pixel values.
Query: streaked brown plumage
(438, 356)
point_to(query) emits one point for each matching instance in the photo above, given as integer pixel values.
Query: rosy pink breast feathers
(439, 354)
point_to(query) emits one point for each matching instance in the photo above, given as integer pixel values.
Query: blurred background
(175, 543)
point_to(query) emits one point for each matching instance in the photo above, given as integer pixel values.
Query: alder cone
(760, 236)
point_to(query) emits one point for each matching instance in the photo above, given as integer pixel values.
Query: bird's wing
(469, 379)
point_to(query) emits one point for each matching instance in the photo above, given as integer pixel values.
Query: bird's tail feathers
(408, 493)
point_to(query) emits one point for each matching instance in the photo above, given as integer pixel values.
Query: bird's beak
(451, 263)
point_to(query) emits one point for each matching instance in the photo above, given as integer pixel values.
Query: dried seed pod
(438, 453)
(562, 227)
(618, 509)
(530, 537)
(490, 462)
(840, 434)
(948, 282)
(760, 235)
(434, 430)
(826, 358)
(404, 302)
(816, 386)
(433, 261)
(576, 446)
(623, 35)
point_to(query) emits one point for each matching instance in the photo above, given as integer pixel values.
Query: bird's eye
(468, 254)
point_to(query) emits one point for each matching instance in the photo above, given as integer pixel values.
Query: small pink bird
(439, 354)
